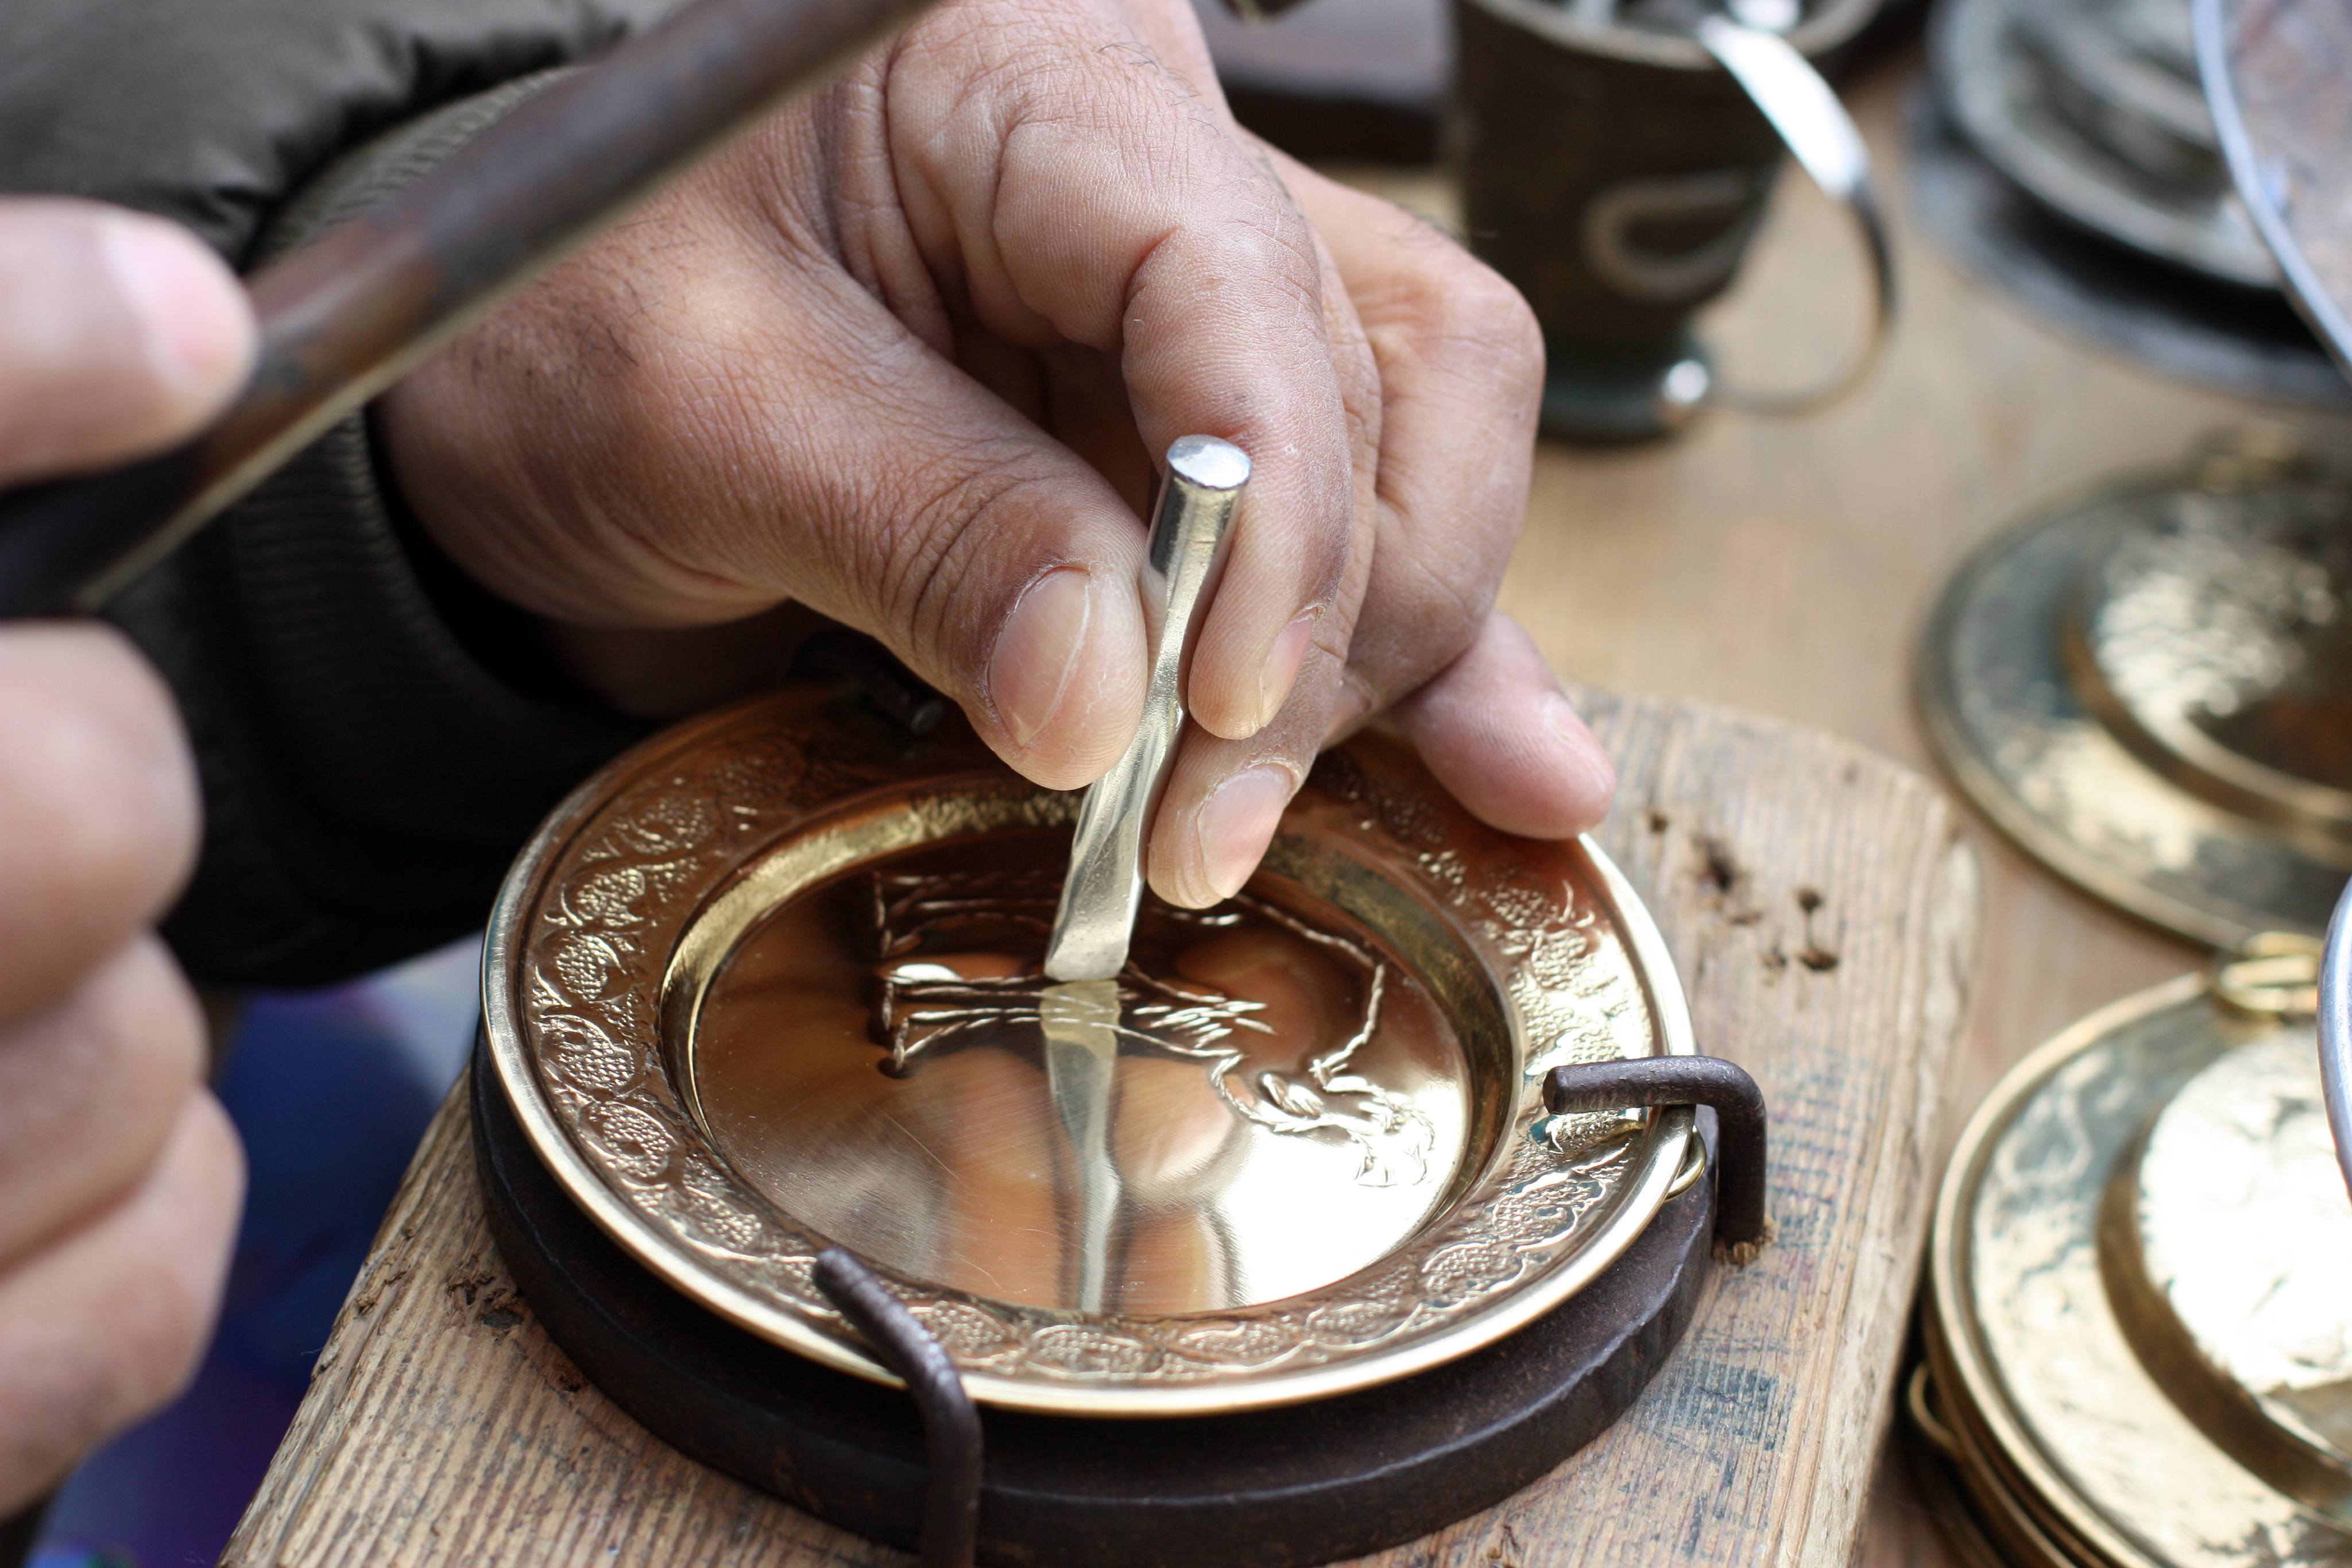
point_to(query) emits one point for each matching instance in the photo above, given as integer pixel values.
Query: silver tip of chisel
(1190, 529)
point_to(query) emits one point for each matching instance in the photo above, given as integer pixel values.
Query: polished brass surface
(2064, 1423)
(1960, 1520)
(2148, 685)
(2275, 975)
(1140, 1145)
(2213, 638)
(1983, 1522)
(1192, 1214)
(2228, 1251)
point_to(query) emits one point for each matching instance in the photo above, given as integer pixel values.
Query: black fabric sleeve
(374, 737)
(214, 112)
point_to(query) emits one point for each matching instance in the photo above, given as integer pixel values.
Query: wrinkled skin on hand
(118, 1173)
(904, 358)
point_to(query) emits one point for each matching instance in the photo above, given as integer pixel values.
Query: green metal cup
(1615, 176)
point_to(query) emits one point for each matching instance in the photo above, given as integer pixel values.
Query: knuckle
(1476, 323)
(76, 383)
(109, 1328)
(97, 800)
(928, 517)
(160, 1336)
(90, 1089)
(1423, 615)
(147, 1341)
(181, 1250)
(95, 769)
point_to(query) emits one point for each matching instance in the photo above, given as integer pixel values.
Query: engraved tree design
(927, 1007)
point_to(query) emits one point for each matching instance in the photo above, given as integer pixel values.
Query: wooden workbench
(1777, 568)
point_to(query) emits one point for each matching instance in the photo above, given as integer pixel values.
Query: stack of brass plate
(2068, 154)
(2093, 107)
(2138, 1324)
(2148, 685)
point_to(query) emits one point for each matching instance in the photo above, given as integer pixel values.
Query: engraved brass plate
(2074, 1427)
(2148, 685)
(758, 987)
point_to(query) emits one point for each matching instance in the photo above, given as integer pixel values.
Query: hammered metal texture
(2052, 754)
(588, 933)
(2043, 1383)
(2239, 1287)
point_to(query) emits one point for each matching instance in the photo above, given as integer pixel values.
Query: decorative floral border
(616, 878)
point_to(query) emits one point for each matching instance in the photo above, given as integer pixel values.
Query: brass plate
(2049, 709)
(2228, 1251)
(615, 929)
(2039, 1377)
(2009, 100)
(1249, 1061)
(1985, 1525)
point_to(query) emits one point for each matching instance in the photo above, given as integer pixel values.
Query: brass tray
(2072, 1448)
(2082, 673)
(623, 913)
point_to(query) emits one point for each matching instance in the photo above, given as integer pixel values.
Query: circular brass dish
(1349, 1219)
(2227, 1248)
(2073, 1432)
(2148, 685)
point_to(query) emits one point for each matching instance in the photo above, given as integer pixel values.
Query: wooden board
(1822, 908)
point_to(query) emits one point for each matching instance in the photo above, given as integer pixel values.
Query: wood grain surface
(1822, 910)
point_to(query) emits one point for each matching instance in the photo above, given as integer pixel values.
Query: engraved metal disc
(767, 984)
(2227, 1248)
(2148, 685)
(2074, 1449)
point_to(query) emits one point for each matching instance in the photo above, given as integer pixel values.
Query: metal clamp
(951, 1422)
(1823, 139)
(1653, 1080)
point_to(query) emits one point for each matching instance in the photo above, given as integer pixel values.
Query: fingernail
(1281, 672)
(1564, 720)
(1237, 822)
(174, 297)
(1039, 649)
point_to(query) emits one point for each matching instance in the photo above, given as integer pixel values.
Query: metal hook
(950, 1421)
(1651, 1081)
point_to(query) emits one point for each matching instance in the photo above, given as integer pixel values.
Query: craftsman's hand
(118, 1173)
(907, 357)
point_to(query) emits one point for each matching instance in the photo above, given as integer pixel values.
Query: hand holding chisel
(1190, 527)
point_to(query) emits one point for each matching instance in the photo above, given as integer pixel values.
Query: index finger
(1084, 191)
